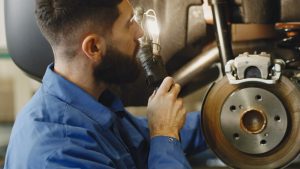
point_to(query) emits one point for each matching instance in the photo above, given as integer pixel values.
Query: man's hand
(166, 113)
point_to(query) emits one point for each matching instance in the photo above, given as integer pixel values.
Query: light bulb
(152, 26)
(149, 52)
(153, 29)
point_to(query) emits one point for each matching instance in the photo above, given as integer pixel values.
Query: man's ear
(94, 47)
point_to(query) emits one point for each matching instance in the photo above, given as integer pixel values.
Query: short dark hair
(61, 18)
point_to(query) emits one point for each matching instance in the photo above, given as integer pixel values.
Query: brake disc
(253, 125)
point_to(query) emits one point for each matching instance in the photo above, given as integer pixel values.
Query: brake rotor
(253, 125)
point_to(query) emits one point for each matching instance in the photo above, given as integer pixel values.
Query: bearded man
(74, 121)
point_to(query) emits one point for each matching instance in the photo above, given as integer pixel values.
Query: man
(73, 121)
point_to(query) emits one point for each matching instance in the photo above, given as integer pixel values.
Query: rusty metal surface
(277, 157)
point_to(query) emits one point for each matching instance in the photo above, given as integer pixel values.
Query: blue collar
(68, 92)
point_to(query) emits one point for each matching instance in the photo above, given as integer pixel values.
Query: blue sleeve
(192, 139)
(77, 149)
(74, 156)
(166, 152)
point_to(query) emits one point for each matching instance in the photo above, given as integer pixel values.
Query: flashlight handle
(153, 66)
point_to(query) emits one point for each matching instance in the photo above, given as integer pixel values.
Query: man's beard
(117, 67)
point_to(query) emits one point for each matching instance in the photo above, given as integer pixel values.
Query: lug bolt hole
(232, 108)
(263, 142)
(277, 118)
(236, 136)
(258, 98)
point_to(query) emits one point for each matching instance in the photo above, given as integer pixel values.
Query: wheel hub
(249, 120)
(253, 125)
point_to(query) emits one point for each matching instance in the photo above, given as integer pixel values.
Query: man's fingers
(183, 113)
(175, 90)
(179, 103)
(152, 95)
(165, 85)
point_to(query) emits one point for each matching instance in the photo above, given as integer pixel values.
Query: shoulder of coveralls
(47, 126)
